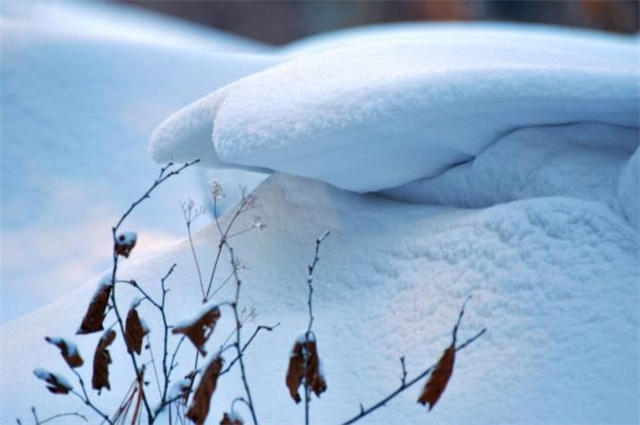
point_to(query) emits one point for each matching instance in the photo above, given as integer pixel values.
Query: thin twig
(255, 333)
(189, 217)
(85, 399)
(162, 177)
(407, 384)
(238, 343)
(61, 415)
(305, 351)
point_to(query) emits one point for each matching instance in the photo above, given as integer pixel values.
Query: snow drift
(536, 129)
(555, 281)
(372, 115)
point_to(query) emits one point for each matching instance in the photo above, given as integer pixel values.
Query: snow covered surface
(555, 281)
(629, 188)
(536, 128)
(406, 107)
(83, 86)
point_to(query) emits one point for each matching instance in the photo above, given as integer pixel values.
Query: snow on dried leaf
(125, 243)
(199, 330)
(101, 361)
(297, 370)
(439, 378)
(228, 419)
(68, 350)
(134, 331)
(55, 383)
(199, 408)
(93, 318)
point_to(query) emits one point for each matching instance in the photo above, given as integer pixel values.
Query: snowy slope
(389, 104)
(555, 281)
(83, 86)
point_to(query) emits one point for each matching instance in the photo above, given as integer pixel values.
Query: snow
(553, 279)
(52, 378)
(72, 349)
(127, 238)
(83, 86)
(178, 388)
(395, 105)
(629, 188)
(203, 310)
(579, 160)
(505, 164)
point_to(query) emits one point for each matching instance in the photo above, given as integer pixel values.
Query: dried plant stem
(85, 397)
(162, 177)
(189, 217)
(406, 384)
(238, 342)
(39, 421)
(255, 333)
(311, 268)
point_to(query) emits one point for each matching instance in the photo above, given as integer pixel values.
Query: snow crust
(406, 107)
(553, 279)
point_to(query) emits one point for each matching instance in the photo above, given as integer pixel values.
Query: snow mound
(581, 160)
(368, 116)
(555, 281)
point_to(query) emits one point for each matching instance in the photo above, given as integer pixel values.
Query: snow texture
(554, 280)
(581, 160)
(83, 86)
(373, 115)
(629, 189)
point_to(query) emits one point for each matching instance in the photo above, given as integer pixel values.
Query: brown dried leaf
(296, 371)
(230, 420)
(199, 408)
(68, 350)
(55, 383)
(437, 383)
(199, 330)
(101, 361)
(134, 331)
(125, 243)
(93, 318)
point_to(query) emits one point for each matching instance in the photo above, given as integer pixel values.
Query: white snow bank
(374, 115)
(83, 86)
(581, 160)
(555, 281)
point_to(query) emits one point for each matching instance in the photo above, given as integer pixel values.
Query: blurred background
(279, 22)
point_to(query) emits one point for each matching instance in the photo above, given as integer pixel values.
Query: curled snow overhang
(371, 116)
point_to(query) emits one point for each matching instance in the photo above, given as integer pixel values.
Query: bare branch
(305, 351)
(407, 384)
